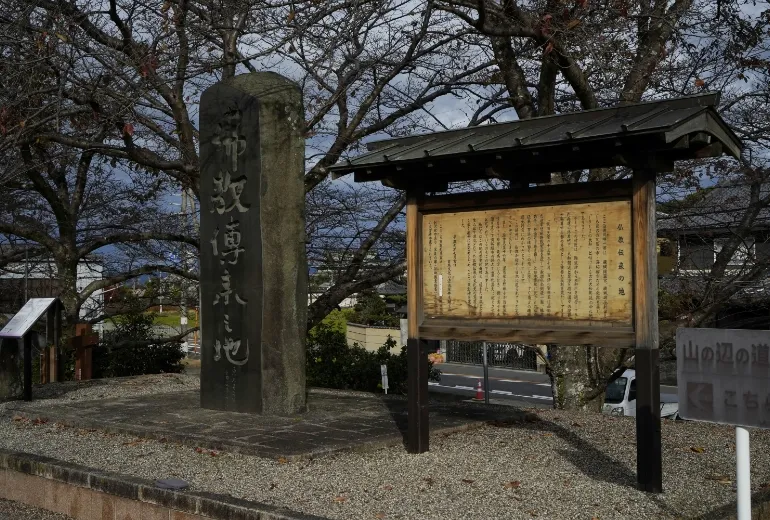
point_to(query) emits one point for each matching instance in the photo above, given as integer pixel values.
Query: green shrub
(128, 350)
(331, 363)
(336, 320)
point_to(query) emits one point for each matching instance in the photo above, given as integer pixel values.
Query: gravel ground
(108, 388)
(15, 511)
(559, 465)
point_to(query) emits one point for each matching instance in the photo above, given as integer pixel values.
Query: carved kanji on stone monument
(253, 310)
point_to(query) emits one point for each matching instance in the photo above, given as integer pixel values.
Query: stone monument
(252, 253)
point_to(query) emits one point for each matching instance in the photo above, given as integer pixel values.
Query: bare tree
(123, 79)
(70, 206)
(357, 245)
(554, 57)
(718, 243)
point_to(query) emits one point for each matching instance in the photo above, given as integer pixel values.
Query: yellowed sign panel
(569, 262)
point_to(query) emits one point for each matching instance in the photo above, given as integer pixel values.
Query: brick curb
(87, 493)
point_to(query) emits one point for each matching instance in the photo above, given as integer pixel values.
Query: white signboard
(384, 374)
(723, 375)
(26, 317)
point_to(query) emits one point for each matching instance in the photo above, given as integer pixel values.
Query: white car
(620, 398)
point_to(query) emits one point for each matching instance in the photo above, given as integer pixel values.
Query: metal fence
(502, 355)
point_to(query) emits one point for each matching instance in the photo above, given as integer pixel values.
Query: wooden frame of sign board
(622, 303)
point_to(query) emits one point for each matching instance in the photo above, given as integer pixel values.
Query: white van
(620, 398)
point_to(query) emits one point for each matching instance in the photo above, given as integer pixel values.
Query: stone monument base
(335, 421)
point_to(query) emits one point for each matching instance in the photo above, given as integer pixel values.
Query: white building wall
(87, 272)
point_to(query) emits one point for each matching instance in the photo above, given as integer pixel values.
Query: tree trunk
(69, 297)
(580, 374)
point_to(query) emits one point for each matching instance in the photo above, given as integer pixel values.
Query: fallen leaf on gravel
(282, 460)
(697, 449)
(340, 499)
(468, 481)
(379, 516)
(199, 450)
(133, 443)
(40, 420)
(513, 484)
(387, 487)
(19, 418)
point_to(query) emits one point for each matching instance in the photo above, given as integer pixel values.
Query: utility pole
(187, 211)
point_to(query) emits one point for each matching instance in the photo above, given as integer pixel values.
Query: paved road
(528, 388)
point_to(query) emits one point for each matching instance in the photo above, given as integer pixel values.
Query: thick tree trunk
(570, 382)
(69, 297)
(579, 374)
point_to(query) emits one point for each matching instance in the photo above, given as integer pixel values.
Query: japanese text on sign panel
(723, 375)
(570, 262)
(228, 186)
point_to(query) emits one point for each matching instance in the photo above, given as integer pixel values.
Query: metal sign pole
(486, 374)
(743, 472)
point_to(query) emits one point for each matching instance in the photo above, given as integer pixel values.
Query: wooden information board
(570, 262)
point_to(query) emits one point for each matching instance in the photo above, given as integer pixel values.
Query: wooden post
(50, 352)
(45, 363)
(58, 359)
(83, 343)
(648, 447)
(417, 358)
(27, 366)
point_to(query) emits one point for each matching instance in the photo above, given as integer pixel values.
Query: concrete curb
(89, 494)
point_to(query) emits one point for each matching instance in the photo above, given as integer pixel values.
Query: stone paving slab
(335, 421)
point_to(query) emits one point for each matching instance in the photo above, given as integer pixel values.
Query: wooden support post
(648, 447)
(58, 358)
(50, 353)
(83, 344)
(418, 430)
(417, 356)
(27, 366)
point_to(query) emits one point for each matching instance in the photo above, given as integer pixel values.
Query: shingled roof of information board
(672, 129)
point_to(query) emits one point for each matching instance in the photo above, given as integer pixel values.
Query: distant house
(690, 240)
(394, 288)
(697, 234)
(39, 276)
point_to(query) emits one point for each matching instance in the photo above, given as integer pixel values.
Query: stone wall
(372, 338)
(87, 494)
